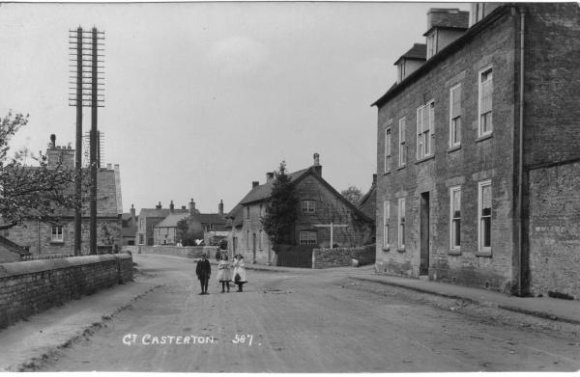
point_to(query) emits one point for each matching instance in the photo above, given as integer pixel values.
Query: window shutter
(456, 102)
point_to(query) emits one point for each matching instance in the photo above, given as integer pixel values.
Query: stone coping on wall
(40, 265)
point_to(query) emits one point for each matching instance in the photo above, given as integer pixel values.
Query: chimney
(109, 166)
(182, 207)
(132, 211)
(269, 176)
(171, 207)
(192, 207)
(374, 179)
(255, 184)
(158, 206)
(53, 140)
(221, 207)
(317, 167)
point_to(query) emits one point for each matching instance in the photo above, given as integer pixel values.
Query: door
(424, 230)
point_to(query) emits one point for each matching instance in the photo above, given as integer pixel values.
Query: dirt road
(318, 321)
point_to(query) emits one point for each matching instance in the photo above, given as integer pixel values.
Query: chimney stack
(158, 206)
(269, 176)
(317, 167)
(171, 207)
(132, 211)
(53, 140)
(192, 207)
(374, 179)
(255, 184)
(183, 207)
(221, 207)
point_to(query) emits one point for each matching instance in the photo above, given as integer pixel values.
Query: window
(455, 218)
(432, 44)
(141, 239)
(387, 150)
(484, 214)
(56, 234)
(308, 238)
(401, 228)
(247, 212)
(308, 206)
(261, 210)
(386, 221)
(485, 102)
(402, 141)
(455, 116)
(401, 70)
(425, 130)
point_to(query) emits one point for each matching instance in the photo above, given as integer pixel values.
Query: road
(308, 321)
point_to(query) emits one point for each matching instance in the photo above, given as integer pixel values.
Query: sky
(201, 99)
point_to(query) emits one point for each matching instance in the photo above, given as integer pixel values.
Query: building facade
(320, 205)
(55, 236)
(458, 139)
(149, 218)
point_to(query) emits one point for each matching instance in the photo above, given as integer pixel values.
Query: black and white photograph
(290, 187)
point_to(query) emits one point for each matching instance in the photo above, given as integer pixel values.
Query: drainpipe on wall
(521, 158)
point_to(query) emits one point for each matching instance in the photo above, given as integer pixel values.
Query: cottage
(320, 205)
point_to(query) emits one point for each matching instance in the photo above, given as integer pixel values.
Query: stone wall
(554, 230)
(339, 257)
(178, 251)
(31, 287)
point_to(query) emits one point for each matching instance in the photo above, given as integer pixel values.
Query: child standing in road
(224, 274)
(239, 272)
(203, 272)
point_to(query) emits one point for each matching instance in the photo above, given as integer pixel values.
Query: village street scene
(290, 187)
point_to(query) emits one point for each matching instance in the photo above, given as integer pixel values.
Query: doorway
(424, 234)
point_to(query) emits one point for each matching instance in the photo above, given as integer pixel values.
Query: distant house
(320, 205)
(128, 227)
(55, 235)
(149, 218)
(210, 225)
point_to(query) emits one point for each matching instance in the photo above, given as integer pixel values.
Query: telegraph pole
(89, 88)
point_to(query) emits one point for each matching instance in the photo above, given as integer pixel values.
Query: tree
(281, 211)
(352, 194)
(30, 192)
(188, 232)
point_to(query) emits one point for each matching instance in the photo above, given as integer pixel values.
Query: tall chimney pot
(255, 184)
(317, 167)
(221, 207)
(171, 206)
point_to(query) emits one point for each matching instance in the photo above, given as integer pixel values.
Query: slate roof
(163, 212)
(367, 204)
(211, 218)
(263, 192)
(417, 52)
(172, 219)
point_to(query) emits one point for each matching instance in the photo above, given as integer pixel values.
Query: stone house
(477, 154)
(368, 204)
(319, 206)
(149, 218)
(211, 225)
(52, 236)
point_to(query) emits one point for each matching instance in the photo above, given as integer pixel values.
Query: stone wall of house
(37, 236)
(31, 287)
(178, 251)
(476, 160)
(555, 230)
(552, 79)
(340, 257)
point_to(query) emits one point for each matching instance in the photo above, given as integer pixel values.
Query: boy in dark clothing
(203, 271)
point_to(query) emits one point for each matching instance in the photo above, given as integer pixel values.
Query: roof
(159, 212)
(367, 204)
(172, 219)
(263, 192)
(211, 218)
(417, 52)
(234, 217)
(443, 54)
